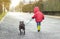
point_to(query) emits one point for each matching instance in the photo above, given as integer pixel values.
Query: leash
(29, 21)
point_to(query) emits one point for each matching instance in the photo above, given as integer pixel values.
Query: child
(39, 16)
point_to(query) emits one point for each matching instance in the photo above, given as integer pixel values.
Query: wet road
(50, 27)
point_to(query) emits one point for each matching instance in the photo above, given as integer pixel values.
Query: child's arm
(33, 17)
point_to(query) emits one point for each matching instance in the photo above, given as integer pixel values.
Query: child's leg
(38, 26)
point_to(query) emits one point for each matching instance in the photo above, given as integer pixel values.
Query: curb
(54, 16)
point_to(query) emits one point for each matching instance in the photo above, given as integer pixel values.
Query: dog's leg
(24, 32)
(20, 31)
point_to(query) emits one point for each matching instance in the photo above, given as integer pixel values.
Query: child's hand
(43, 18)
(32, 17)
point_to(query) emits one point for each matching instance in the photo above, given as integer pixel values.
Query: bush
(39, 4)
(30, 7)
(27, 8)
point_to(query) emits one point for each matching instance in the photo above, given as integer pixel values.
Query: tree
(6, 3)
(27, 8)
(19, 6)
(52, 5)
(30, 7)
(1, 8)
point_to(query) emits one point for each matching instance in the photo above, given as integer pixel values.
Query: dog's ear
(23, 21)
(20, 22)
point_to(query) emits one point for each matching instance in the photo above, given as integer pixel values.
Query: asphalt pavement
(50, 27)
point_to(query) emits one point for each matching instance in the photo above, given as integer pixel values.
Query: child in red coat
(39, 16)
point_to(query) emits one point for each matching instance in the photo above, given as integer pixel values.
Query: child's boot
(38, 28)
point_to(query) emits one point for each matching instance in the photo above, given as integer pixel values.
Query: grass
(2, 15)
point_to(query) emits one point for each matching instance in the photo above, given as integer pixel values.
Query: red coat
(38, 15)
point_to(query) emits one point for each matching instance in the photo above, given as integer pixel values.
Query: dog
(22, 26)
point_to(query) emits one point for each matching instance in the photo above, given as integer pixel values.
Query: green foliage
(30, 7)
(1, 9)
(2, 15)
(52, 5)
(6, 3)
(27, 8)
(40, 5)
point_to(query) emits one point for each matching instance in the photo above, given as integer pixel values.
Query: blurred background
(14, 11)
(51, 7)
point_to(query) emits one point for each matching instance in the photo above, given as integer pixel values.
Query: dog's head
(21, 22)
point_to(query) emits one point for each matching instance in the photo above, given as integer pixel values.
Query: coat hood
(36, 9)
